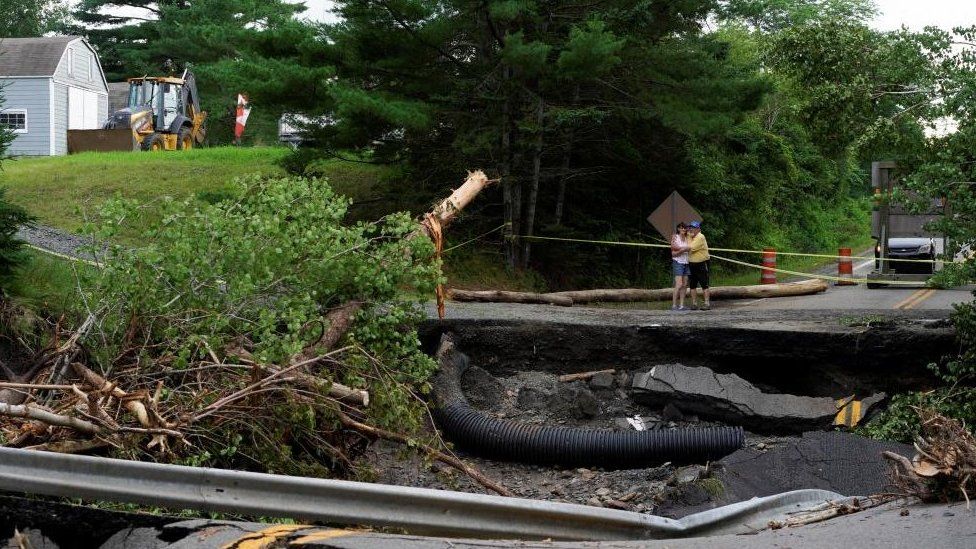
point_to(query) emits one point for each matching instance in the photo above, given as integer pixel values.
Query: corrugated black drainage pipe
(485, 436)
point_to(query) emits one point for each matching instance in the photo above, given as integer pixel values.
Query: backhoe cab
(162, 113)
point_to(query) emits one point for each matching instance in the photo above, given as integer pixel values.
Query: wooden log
(613, 295)
(585, 375)
(498, 296)
(788, 289)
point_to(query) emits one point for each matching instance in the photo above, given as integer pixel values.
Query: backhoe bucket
(101, 140)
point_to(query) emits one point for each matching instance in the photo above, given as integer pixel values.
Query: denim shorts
(680, 269)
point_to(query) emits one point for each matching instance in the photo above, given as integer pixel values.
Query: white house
(50, 85)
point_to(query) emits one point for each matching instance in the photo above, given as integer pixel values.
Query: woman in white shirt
(680, 244)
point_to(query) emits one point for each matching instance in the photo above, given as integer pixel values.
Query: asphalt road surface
(902, 297)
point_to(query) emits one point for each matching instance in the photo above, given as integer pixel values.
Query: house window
(14, 120)
(91, 68)
(71, 62)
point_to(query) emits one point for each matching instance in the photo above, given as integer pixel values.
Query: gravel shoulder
(59, 242)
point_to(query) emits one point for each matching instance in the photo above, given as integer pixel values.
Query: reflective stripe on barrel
(845, 268)
(768, 275)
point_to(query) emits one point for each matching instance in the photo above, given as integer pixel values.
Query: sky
(914, 14)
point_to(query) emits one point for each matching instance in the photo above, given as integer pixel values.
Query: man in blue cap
(698, 262)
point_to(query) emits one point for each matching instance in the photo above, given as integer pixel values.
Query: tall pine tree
(581, 109)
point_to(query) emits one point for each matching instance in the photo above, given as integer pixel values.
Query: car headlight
(925, 248)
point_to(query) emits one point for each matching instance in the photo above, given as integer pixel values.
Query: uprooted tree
(260, 332)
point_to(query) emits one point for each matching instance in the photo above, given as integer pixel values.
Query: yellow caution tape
(814, 275)
(732, 250)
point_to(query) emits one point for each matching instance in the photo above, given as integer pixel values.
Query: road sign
(672, 211)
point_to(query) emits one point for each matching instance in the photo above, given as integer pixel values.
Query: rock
(530, 399)
(731, 399)
(603, 492)
(602, 380)
(685, 475)
(622, 379)
(482, 389)
(587, 475)
(574, 401)
(671, 413)
(595, 502)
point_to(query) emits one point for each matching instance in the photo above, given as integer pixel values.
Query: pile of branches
(61, 404)
(240, 337)
(944, 466)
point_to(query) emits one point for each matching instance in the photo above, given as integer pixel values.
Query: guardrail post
(845, 268)
(768, 275)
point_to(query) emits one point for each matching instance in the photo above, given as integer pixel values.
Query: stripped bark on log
(788, 289)
(498, 296)
(626, 295)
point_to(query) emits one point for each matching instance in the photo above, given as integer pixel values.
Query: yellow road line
(910, 297)
(320, 536)
(921, 298)
(265, 538)
(917, 297)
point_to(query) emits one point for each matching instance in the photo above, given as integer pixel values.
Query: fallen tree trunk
(788, 289)
(581, 297)
(498, 296)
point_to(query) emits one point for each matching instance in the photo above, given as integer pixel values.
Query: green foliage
(942, 166)
(12, 253)
(30, 18)
(258, 270)
(776, 15)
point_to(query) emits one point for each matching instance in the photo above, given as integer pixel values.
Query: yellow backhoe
(162, 113)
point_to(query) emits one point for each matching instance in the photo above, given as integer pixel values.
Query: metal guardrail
(418, 510)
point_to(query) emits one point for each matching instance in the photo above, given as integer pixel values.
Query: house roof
(32, 56)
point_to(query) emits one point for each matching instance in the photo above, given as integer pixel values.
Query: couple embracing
(689, 264)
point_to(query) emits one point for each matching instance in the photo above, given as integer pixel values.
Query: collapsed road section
(786, 377)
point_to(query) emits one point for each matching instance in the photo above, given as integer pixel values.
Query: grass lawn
(60, 191)
(63, 191)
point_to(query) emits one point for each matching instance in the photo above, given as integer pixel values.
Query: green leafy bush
(255, 274)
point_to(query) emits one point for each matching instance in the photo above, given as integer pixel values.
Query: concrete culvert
(482, 435)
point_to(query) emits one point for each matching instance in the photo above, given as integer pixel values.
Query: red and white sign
(243, 110)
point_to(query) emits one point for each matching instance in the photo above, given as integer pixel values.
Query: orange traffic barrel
(845, 268)
(769, 264)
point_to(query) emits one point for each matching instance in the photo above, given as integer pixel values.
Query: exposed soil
(516, 363)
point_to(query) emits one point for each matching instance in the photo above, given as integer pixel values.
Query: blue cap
(695, 224)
